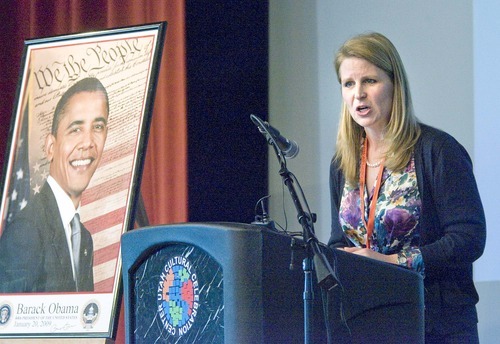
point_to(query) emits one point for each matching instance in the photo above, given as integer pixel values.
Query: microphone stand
(315, 259)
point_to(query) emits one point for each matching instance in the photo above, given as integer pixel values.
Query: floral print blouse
(396, 217)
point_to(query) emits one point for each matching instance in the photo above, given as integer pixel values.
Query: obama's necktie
(76, 236)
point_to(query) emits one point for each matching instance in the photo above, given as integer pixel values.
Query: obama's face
(76, 148)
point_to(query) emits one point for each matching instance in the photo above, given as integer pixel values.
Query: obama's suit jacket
(34, 254)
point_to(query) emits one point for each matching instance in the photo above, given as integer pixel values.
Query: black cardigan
(452, 227)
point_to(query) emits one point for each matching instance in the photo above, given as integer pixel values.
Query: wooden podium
(231, 283)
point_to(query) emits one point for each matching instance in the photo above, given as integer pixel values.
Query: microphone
(289, 148)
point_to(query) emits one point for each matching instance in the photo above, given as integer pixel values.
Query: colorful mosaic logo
(178, 296)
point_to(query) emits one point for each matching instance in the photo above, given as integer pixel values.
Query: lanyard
(373, 203)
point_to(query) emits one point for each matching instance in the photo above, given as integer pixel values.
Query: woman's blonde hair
(402, 131)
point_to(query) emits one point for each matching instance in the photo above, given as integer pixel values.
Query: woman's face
(367, 91)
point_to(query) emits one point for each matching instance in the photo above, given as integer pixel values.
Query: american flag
(20, 185)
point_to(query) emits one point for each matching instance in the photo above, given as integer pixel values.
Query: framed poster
(71, 179)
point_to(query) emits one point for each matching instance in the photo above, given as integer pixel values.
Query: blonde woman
(403, 192)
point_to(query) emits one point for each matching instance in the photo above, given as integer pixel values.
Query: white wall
(486, 152)
(449, 48)
(487, 127)
(293, 100)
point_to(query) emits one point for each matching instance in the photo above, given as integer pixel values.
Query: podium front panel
(184, 284)
(374, 302)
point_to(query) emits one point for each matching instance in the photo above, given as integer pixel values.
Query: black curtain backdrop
(227, 80)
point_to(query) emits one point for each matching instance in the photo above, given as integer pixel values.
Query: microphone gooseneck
(288, 148)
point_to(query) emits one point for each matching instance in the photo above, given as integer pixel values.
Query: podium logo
(178, 296)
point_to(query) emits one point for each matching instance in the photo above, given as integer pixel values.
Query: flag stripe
(105, 221)
(107, 188)
(103, 207)
(120, 150)
(108, 172)
(104, 286)
(102, 239)
(104, 272)
(104, 255)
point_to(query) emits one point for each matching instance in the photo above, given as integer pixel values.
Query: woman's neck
(375, 138)
(376, 146)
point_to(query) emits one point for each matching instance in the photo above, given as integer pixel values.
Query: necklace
(377, 164)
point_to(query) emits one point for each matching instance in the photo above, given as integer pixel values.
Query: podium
(235, 282)
(231, 283)
(374, 302)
